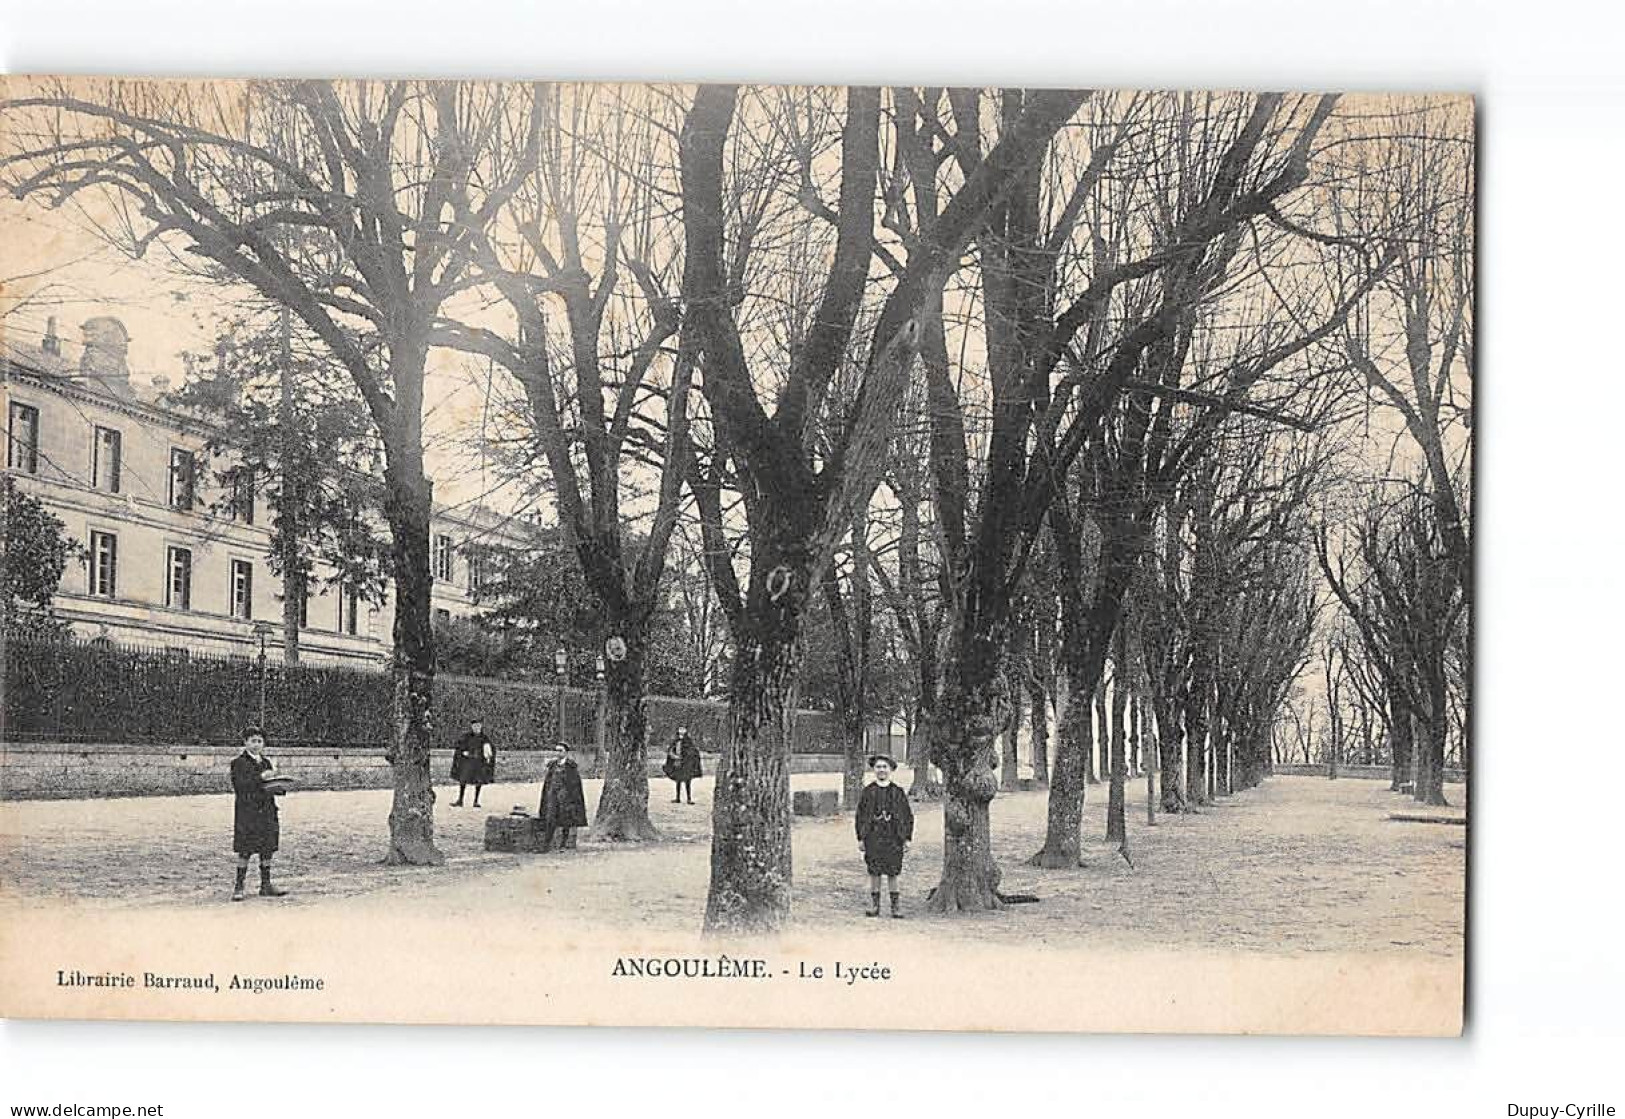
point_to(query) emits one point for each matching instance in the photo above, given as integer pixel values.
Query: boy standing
(255, 829)
(885, 824)
(473, 762)
(564, 804)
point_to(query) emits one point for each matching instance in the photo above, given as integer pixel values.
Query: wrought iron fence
(70, 689)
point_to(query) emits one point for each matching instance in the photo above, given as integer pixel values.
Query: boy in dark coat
(564, 805)
(682, 766)
(473, 762)
(885, 824)
(255, 829)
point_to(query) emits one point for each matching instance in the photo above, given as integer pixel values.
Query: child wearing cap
(255, 828)
(885, 825)
(564, 805)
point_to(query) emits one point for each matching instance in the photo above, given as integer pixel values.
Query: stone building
(169, 562)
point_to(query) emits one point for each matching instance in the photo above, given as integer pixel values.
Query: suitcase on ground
(514, 833)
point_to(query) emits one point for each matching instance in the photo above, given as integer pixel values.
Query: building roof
(151, 399)
(119, 390)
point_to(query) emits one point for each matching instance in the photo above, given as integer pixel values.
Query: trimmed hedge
(73, 690)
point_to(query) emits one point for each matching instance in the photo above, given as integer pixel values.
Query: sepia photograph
(853, 556)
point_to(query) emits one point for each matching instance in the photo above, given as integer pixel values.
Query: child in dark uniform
(473, 762)
(255, 829)
(564, 804)
(885, 824)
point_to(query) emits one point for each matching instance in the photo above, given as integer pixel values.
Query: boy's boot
(237, 891)
(895, 910)
(266, 889)
(874, 904)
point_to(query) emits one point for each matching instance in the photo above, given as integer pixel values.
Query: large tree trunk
(1196, 727)
(293, 601)
(1170, 757)
(1195, 762)
(1136, 760)
(1100, 737)
(970, 877)
(1063, 833)
(1147, 761)
(855, 763)
(623, 806)
(964, 748)
(1116, 797)
(750, 815)
(408, 505)
(1401, 739)
(1039, 721)
(922, 786)
(1419, 764)
(1010, 763)
(294, 578)
(1251, 757)
(1430, 774)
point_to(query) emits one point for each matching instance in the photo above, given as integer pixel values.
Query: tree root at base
(1055, 860)
(415, 853)
(624, 830)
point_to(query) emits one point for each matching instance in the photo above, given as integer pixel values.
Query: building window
(476, 568)
(103, 564)
(107, 448)
(441, 615)
(182, 478)
(349, 610)
(178, 590)
(242, 589)
(242, 496)
(22, 444)
(304, 605)
(442, 557)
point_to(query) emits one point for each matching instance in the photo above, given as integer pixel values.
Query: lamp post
(561, 666)
(262, 630)
(600, 706)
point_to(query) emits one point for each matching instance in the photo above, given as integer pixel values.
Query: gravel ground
(1298, 865)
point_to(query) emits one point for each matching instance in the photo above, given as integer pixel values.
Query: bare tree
(1397, 583)
(606, 398)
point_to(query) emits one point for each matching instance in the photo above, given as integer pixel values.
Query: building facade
(169, 560)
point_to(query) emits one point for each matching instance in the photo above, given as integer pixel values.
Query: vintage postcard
(867, 558)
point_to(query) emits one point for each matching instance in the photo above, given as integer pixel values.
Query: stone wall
(57, 771)
(1364, 772)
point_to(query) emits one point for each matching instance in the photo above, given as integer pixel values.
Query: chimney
(51, 344)
(107, 349)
